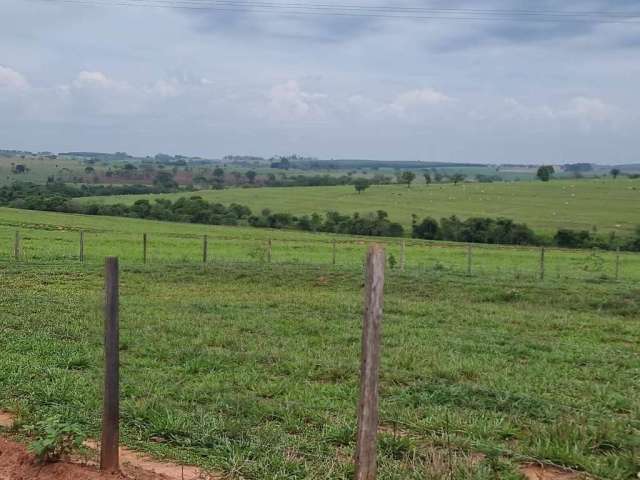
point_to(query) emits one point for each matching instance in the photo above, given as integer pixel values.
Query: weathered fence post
(469, 253)
(205, 248)
(109, 458)
(366, 441)
(402, 247)
(144, 248)
(81, 246)
(269, 251)
(333, 261)
(617, 263)
(542, 263)
(16, 246)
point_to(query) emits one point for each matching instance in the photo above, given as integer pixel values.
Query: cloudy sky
(258, 80)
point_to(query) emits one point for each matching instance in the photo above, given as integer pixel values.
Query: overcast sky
(211, 83)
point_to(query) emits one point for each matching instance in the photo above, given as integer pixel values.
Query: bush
(54, 439)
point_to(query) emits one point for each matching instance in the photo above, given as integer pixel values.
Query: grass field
(603, 205)
(53, 237)
(251, 369)
(39, 169)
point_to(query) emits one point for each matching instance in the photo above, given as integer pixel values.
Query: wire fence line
(36, 246)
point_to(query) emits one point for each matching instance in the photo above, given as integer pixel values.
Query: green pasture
(597, 205)
(47, 237)
(251, 370)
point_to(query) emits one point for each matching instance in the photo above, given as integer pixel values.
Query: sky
(77, 76)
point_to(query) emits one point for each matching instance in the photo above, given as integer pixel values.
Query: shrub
(54, 439)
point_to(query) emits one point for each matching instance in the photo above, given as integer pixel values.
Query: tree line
(58, 197)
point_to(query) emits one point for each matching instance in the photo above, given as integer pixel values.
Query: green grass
(54, 237)
(39, 169)
(251, 369)
(601, 205)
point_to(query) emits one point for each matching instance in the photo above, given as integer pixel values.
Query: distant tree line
(507, 232)
(58, 197)
(32, 196)
(197, 210)
(475, 230)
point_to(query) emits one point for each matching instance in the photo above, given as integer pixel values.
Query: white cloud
(419, 98)
(87, 79)
(590, 109)
(289, 100)
(9, 78)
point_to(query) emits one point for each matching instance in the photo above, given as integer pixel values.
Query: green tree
(407, 177)
(457, 178)
(251, 176)
(361, 184)
(545, 172)
(427, 177)
(615, 172)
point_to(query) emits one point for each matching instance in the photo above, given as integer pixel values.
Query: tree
(407, 177)
(89, 170)
(251, 176)
(457, 178)
(427, 229)
(545, 172)
(361, 184)
(218, 172)
(427, 177)
(615, 172)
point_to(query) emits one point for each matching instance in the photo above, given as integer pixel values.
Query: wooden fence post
(269, 251)
(366, 441)
(109, 458)
(16, 246)
(144, 248)
(402, 247)
(81, 246)
(617, 263)
(469, 249)
(205, 248)
(334, 252)
(542, 263)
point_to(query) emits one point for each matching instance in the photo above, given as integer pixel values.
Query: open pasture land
(251, 369)
(603, 205)
(39, 168)
(47, 237)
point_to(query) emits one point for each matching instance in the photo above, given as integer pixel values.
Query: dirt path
(18, 464)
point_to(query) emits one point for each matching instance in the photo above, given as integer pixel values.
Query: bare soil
(543, 472)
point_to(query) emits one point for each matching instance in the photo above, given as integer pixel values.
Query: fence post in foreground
(81, 246)
(617, 263)
(16, 246)
(109, 458)
(542, 263)
(469, 250)
(144, 248)
(205, 249)
(269, 251)
(365, 456)
(334, 252)
(402, 256)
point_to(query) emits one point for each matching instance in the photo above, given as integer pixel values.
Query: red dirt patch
(6, 420)
(535, 471)
(17, 464)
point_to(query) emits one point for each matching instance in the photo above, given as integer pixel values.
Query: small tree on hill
(407, 177)
(457, 178)
(361, 184)
(615, 172)
(251, 176)
(427, 177)
(545, 172)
